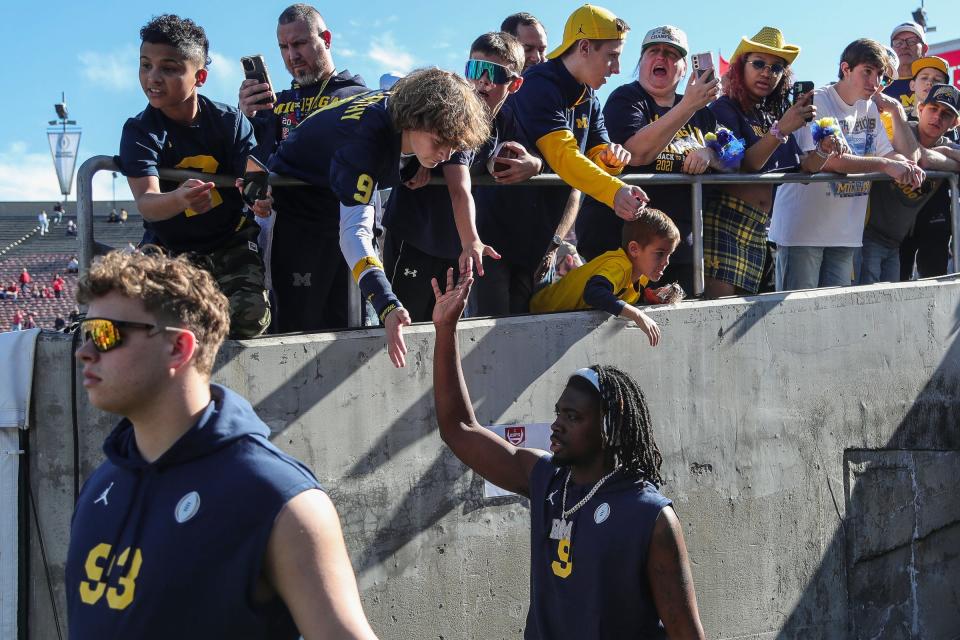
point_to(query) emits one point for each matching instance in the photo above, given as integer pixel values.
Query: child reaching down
(612, 281)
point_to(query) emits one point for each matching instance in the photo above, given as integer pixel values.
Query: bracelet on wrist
(776, 133)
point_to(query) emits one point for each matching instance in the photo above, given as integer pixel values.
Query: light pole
(114, 191)
(64, 145)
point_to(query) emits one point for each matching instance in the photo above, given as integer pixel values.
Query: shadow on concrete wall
(434, 494)
(895, 565)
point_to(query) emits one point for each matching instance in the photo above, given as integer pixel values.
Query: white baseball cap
(666, 34)
(913, 28)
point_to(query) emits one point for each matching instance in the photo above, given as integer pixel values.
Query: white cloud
(346, 53)
(114, 70)
(29, 175)
(385, 51)
(223, 78)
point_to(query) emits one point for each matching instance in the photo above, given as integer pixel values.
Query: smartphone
(800, 88)
(255, 68)
(703, 65)
(255, 179)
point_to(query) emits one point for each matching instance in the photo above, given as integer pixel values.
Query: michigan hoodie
(173, 548)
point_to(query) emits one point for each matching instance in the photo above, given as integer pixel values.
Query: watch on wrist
(556, 242)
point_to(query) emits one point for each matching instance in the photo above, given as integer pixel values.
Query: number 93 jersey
(174, 548)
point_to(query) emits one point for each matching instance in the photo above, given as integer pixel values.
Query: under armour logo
(301, 279)
(550, 496)
(103, 496)
(410, 273)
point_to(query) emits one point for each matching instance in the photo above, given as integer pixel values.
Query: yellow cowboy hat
(768, 40)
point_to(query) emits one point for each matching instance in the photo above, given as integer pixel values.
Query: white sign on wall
(528, 436)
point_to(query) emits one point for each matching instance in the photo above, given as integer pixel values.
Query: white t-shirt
(824, 214)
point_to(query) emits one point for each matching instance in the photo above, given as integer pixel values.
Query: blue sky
(90, 49)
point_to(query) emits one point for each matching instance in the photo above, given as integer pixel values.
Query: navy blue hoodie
(174, 548)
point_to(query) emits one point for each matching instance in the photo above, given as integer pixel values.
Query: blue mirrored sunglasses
(497, 73)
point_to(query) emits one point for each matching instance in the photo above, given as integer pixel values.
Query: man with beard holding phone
(306, 269)
(305, 45)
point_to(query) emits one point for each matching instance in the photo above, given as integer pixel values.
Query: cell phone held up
(255, 178)
(703, 66)
(798, 89)
(255, 68)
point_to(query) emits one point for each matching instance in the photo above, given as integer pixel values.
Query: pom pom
(824, 128)
(728, 147)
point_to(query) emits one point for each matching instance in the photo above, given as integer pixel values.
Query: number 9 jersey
(352, 149)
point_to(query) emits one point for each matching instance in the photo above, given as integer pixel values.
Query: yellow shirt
(567, 294)
(887, 121)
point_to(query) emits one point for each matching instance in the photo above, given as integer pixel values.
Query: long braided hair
(627, 429)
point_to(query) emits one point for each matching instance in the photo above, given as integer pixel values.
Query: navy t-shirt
(750, 127)
(520, 221)
(900, 89)
(628, 109)
(424, 217)
(591, 583)
(350, 148)
(217, 143)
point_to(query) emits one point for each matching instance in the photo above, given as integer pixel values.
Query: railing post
(696, 198)
(85, 205)
(354, 317)
(955, 220)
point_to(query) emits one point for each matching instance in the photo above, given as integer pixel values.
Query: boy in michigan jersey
(181, 129)
(608, 560)
(359, 145)
(433, 228)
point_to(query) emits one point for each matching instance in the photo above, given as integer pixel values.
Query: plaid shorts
(734, 242)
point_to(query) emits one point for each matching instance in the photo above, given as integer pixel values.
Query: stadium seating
(21, 245)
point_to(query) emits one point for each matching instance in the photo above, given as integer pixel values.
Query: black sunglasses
(776, 68)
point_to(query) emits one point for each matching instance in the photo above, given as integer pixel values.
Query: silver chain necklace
(566, 513)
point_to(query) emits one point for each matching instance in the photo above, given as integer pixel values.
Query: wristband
(776, 133)
(375, 288)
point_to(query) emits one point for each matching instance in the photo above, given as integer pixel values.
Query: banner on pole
(63, 147)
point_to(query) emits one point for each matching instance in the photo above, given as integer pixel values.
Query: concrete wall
(810, 444)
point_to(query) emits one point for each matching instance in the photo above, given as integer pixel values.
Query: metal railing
(105, 163)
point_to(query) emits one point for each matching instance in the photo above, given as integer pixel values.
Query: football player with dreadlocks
(608, 556)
